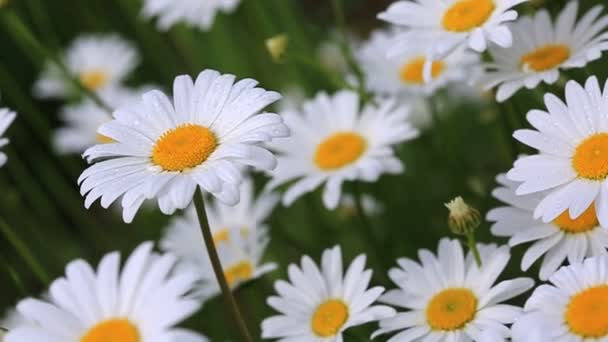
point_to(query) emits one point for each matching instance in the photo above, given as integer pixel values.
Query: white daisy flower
(140, 303)
(6, 119)
(370, 204)
(572, 164)
(335, 140)
(320, 304)
(450, 298)
(200, 14)
(541, 48)
(403, 73)
(98, 61)
(239, 233)
(12, 320)
(574, 307)
(83, 119)
(164, 149)
(559, 239)
(449, 24)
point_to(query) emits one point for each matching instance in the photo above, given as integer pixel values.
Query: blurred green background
(459, 155)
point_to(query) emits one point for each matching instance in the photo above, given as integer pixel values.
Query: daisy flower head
(558, 240)
(574, 306)
(571, 167)
(6, 119)
(83, 119)
(99, 62)
(165, 149)
(319, 304)
(239, 234)
(200, 14)
(335, 140)
(542, 48)
(449, 297)
(449, 24)
(404, 73)
(139, 303)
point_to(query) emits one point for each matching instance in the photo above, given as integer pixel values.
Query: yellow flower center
(545, 58)
(239, 272)
(413, 71)
(94, 79)
(114, 330)
(591, 157)
(184, 147)
(451, 309)
(339, 150)
(587, 313)
(222, 235)
(586, 222)
(465, 15)
(329, 317)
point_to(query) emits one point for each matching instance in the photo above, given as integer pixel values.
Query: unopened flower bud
(463, 219)
(276, 46)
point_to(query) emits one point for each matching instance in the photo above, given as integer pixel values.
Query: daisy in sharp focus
(83, 119)
(542, 48)
(572, 164)
(198, 13)
(450, 298)
(99, 62)
(403, 73)
(449, 24)
(319, 304)
(6, 119)
(140, 303)
(573, 308)
(334, 140)
(165, 149)
(558, 240)
(239, 234)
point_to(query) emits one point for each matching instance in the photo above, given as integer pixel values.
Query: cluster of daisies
(212, 135)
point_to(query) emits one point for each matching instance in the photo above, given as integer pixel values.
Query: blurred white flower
(370, 205)
(448, 297)
(239, 234)
(572, 164)
(98, 61)
(404, 73)
(197, 13)
(6, 119)
(449, 24)
(318, 304)
(141, 302)
(335, 140)
(542, 48)
(574, 307)
(165, 149)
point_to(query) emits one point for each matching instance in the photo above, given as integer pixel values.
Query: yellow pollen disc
(545, 58)
(465, 15)
(413, 71)
(94, 79)
(222, 235)
(184, 147)
(239, 272)
(114, 330)
(590, 159)
(339, 150)
(329, 317)
(451, 309)
(586, 222)
(587, 313)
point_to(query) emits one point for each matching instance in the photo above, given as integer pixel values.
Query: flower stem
(217, 267)
(473, 248)
(24, 252)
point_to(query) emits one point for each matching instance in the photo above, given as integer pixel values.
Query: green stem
(22, 34)
(24, 252)
(473, 248)
(217, 267)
